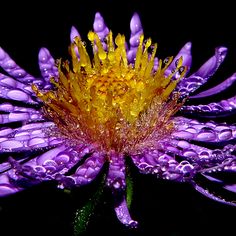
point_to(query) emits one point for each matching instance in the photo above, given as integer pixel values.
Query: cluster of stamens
(111, 103)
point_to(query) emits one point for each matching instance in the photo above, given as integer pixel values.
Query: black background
(162, 208)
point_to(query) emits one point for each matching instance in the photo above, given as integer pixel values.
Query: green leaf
(84, 214)
(129, 186)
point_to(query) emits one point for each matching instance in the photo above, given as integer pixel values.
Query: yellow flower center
(108, 102)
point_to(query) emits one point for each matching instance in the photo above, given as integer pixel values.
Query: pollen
(109, 103)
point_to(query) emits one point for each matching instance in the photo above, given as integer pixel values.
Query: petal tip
(73, 33)
(188, 45)
(135, 23)
(43, 54)
(98, 15)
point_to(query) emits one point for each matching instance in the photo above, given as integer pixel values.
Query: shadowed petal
(231, 187)
(6, 187)
(8, 107)
(26, 143)
(212, 196)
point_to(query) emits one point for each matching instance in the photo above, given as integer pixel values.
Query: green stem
(129, 186)
(84, 214)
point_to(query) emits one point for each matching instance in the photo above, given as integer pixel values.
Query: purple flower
(121, 103)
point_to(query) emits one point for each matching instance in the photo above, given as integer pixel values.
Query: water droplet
(133, 224)
(166, 60)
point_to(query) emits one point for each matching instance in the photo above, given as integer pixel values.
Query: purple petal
(231, 187)
(28, 140)
(217, 89)
(11, 83)
(205, 132)
(16, 94)
(19, 116)
(123, 215)
(8, 107)
(185, 53)
(116, 173)
(6, 188)
(73, 33)
(212, 196)
(53, 164)
(136, 31)
(116, 181)
(47, 66)
(14, 70)
(158, 163)
(222, 108)
(89, 169)
(195, 153)
(211, 66)
(100, 27)
(193, 82)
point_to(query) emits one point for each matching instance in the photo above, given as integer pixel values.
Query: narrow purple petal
(231, 187)
(73, 33)
(116, 173)
(116, 181)
(19, 116)
(11, 83)
(158, 163)
(210, 67)
(16, 94)
(198, 154)
(205, 132)
(185, 53)
(212, 196)
(193, 82)
(100, 27)
(4, 166)
(136, 31)
(222, 108)
(26, 141)
(217, 89)
(123, 215)
(52, 164)
(213, 179)
(8, 107)
(89, 169)
(47, 66)
(14, 70)
(6, 188)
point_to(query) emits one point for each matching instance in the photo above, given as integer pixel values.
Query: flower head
(122, 102)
